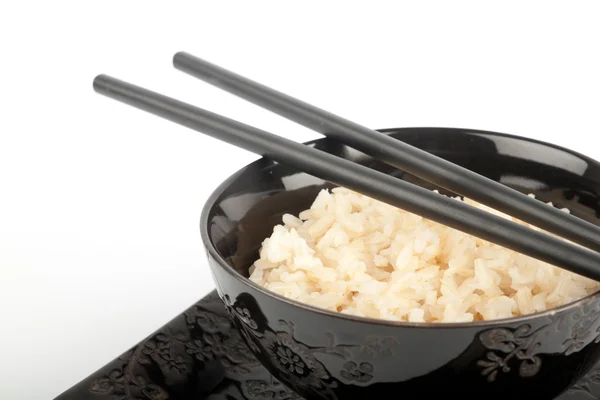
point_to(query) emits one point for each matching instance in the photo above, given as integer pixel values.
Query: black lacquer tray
(200, 355)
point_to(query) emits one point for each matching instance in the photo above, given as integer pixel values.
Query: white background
(100, 202)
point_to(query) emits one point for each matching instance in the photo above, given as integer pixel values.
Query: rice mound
(359, 256)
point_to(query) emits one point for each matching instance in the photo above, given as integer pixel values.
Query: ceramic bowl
(326, 355)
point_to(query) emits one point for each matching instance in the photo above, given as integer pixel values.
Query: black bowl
(326, 355)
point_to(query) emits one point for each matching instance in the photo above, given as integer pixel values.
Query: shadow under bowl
(327, 355)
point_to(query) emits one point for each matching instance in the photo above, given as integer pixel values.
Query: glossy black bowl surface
(325, 355)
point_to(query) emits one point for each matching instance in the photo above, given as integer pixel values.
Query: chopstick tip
(99, 82)
(104, 84)
(177, 57)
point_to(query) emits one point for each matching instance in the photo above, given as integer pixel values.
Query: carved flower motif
(158, 346)
(491, 365)
(357, 372)
(262, 390)
(230, 350)
(520, 344)
(580, 332)
(247, 312)
(174, 364)
(154, 392)
(244, 316)
(295, 361)
(119, 387)
(161, 349)
(112, 382)
(208, 321)
(208, 348)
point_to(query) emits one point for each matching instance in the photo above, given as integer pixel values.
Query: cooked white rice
(359, 256)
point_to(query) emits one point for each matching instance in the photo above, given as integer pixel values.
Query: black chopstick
(420, 163)
(359, 178)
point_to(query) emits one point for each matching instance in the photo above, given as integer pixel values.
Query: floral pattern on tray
(200, 355)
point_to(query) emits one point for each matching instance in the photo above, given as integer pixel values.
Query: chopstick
(367, 181)
(420, 163)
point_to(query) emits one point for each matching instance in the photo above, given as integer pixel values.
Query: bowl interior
(244, 209)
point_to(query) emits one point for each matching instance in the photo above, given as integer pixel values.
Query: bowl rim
(211, 200)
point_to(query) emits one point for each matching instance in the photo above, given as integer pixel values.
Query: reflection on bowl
(327, 355)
